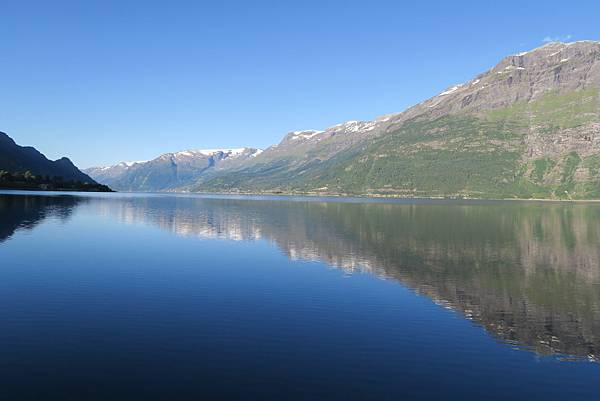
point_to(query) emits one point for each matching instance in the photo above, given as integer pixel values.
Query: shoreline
(31, 189)
(377, 196)
(312, 196)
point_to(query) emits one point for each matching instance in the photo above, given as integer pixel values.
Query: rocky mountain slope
(171, 170)
(527, 128)
(19, 159)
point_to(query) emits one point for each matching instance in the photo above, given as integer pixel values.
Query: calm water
(163, 297)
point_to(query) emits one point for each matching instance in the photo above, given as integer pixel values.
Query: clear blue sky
(106, 81)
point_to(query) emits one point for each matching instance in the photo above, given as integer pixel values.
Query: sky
(107, 81)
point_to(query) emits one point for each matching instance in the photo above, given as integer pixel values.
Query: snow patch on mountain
(210, 152)
(451, 90)
(308, 134)
(224, 153)
(229, 152)
(129, 164)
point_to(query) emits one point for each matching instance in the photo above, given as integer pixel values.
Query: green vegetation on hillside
(540, 168)
(30, 181)
(482, 155)
(554, 111)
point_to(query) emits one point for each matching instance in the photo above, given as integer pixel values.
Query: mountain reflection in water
(26, 212)
(529, 273)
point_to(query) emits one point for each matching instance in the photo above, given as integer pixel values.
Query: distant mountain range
(25, 167)
(172, 171)
(527, 128)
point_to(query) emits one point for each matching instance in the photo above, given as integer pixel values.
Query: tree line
(29, 180)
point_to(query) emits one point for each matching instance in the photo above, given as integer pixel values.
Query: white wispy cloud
(563, 38)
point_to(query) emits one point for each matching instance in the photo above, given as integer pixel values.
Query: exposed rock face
(555, 68)
(585, 140)
(526, 77)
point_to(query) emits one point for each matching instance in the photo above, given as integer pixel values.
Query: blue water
(165, 297)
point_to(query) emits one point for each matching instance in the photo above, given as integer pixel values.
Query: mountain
(15, 158)
(171, 171)
(528, 127)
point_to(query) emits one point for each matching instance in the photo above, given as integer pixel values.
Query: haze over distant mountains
(528, 127)
(171, 171)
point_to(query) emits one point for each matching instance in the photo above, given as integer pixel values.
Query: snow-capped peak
(129, 164)
(211, 152)
(120, 165)
(226, 153)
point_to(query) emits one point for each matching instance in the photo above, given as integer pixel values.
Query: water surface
(165, 297)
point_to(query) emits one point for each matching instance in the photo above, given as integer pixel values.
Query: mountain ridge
(527, 127)
(16, 158)
(24, 167)
(170, 170)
